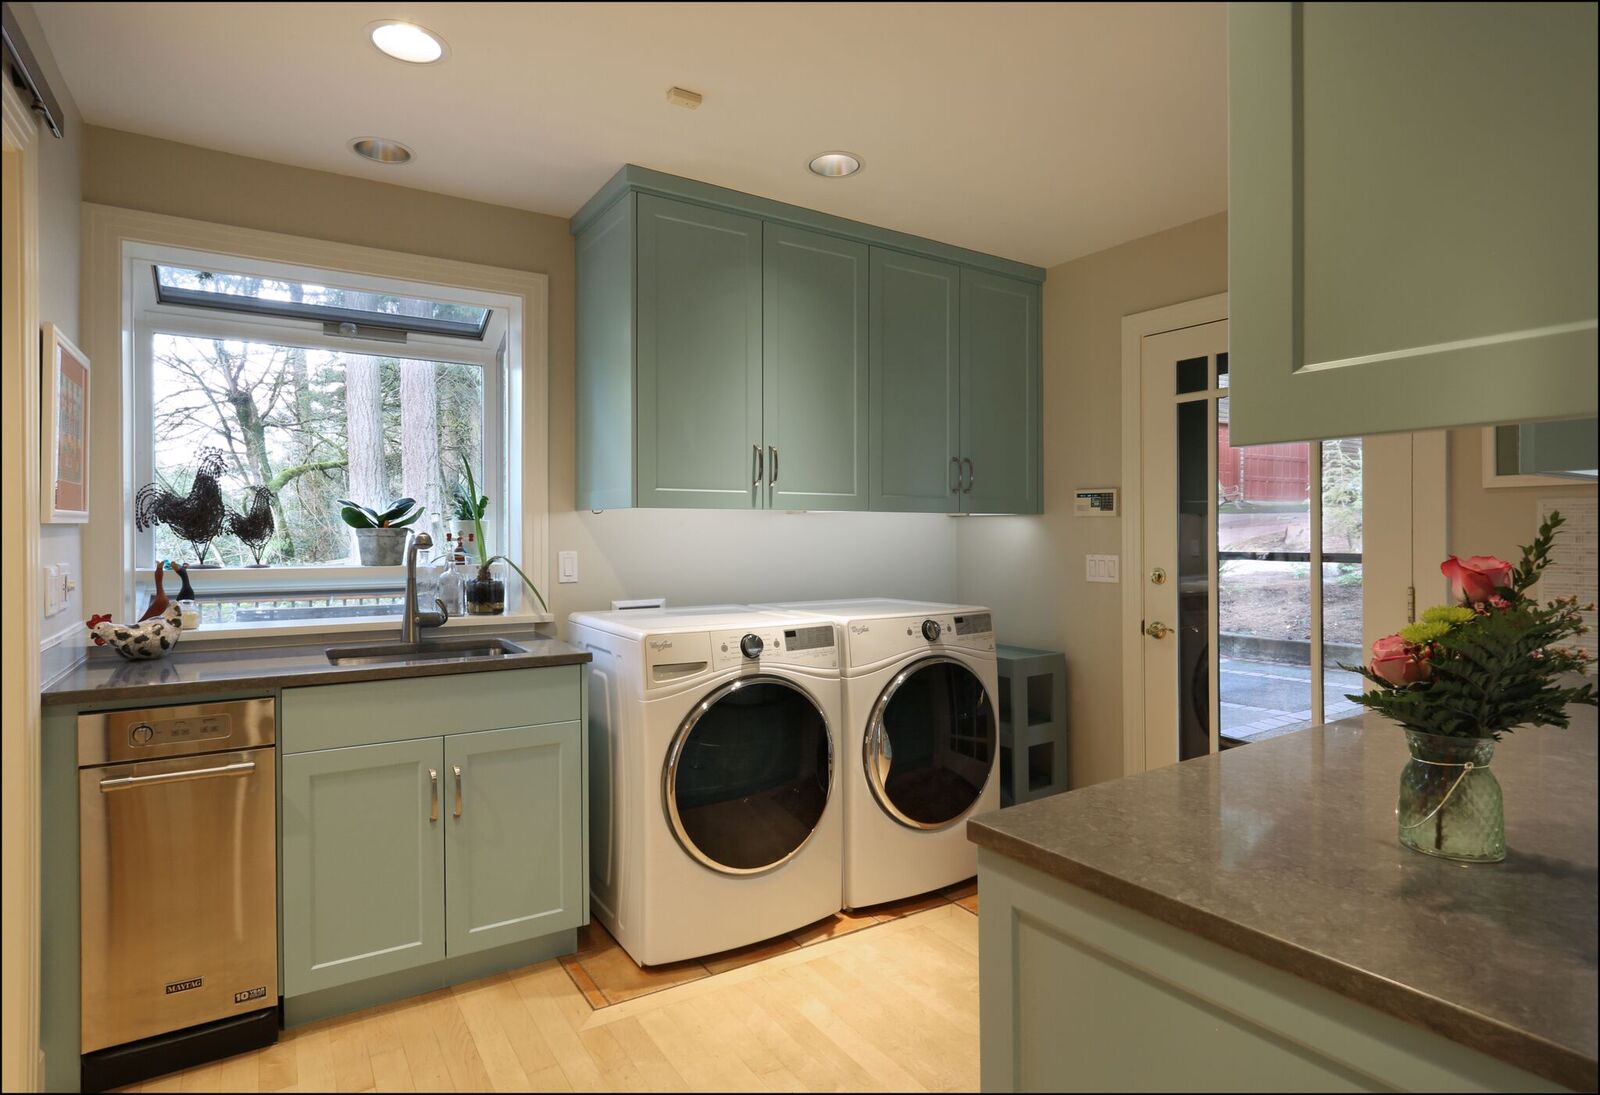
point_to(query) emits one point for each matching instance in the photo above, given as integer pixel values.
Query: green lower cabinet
(513, 835)
(362, 863)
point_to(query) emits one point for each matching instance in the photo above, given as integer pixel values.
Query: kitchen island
(1248, 921)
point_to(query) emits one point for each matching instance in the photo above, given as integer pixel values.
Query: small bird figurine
(137, 642)
(197, 517)
(254, 527)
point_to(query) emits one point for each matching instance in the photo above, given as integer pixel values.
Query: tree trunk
(419, 437)
(363, 398)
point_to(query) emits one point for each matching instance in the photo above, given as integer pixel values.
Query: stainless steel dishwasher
(179, 879)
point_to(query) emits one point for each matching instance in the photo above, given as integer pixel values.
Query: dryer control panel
(872, 641)
(810, 644)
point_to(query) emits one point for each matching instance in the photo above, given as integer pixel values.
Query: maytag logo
(660, 644)
(184, 986)
(250, 994)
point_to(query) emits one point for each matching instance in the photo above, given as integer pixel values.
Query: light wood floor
(891, 1009)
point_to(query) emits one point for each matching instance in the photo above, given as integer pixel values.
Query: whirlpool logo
(859, 629)
(184, 986)
(660, 644)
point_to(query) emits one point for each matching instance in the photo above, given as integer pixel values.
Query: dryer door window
(931, 743)
(748, 776)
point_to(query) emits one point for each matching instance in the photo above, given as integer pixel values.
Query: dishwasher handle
(126, 783)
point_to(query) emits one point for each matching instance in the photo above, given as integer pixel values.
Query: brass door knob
(1158, 630)
(1158, 576)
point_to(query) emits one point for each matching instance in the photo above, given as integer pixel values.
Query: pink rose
(1398, 662)
(1475, 580)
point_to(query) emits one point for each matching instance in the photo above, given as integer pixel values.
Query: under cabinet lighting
(407, 42)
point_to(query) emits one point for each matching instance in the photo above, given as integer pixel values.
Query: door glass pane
(1193, 375)
(1194, 579)
(1263, 586)
(752, 777)
(1341, 575)
(942, 737)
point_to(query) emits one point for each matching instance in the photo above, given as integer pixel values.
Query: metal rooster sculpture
(255, 526)
(197, 516)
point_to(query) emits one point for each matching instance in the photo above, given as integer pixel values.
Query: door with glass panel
(1252, 563)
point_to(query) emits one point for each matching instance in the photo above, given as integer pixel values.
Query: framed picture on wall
(64, 398)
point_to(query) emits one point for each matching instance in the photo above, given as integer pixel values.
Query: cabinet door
(1412, 225)
(514, 840)
(698, 356)
(1000, 438)
(362, 864)
(814, 371)
(915, 383)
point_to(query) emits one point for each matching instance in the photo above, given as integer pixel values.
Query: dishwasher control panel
(107, 737)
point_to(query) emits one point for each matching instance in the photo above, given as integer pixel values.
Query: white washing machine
(715, 819)
(920, 741)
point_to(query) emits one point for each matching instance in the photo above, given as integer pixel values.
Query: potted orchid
(1492, 660)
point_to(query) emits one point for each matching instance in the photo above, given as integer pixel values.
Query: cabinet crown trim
(635, 179)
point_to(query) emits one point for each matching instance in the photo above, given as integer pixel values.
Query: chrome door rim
(872, 743)
(669, 773)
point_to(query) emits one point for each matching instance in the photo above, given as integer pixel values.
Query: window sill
(352, 625)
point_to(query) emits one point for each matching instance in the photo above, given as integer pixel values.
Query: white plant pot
(381, 547)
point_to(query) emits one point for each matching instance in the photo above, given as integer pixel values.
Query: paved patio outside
(1261, 700)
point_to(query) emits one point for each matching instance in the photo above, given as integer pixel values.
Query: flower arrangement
(1491, 661)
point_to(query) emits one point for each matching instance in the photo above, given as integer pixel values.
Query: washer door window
(931, 743)
(748, 776)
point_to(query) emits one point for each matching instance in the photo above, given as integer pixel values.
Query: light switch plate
(1102, 568)
(52, 590)
(566, 567)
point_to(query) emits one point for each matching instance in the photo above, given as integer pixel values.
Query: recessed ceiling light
(407, 42)
(381, 150)
(835, 165)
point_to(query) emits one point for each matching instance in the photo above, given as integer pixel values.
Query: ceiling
(1039, 132)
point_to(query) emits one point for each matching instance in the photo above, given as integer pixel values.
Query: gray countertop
(1285, 850)
(224, 667)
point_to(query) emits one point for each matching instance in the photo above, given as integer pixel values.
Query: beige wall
(686, 556)
(60, 172)
(1030, 569)
(1493, 520)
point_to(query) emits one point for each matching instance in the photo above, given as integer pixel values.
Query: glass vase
(1450, 803)
(486, 591)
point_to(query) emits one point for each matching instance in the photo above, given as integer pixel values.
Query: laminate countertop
(1285, 850)
(104, 677)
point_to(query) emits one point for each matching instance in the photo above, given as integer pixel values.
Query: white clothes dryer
(920, 741)
(715, 819)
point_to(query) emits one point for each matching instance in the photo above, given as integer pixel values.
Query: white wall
(60, 235)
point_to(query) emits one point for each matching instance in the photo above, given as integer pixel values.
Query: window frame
(114, 237)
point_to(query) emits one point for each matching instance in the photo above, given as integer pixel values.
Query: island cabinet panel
(699, 356)
(513, 835)
(814, 387)
(1412, 216)
(916, 378)
(1080, 993)
(362, 863)
(1000, 392)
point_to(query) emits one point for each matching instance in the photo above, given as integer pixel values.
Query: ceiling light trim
(434, 37)
(837, 164)
(382, 150)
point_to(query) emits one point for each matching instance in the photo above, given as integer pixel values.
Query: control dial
(142, 733)
(751, 646)
(930, 630)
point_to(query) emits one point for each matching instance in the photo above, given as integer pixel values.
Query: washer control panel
(810, 645)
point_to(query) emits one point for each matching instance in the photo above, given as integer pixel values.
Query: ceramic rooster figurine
(150, 638)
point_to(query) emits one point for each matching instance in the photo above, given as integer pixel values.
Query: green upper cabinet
(814, 390)
(513, 835)
(916, 383)
(1000, 391)
(699, 355)
(737, 353)
(1412, 216)
(362, 863)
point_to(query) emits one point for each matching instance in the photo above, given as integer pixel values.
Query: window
(297, 388)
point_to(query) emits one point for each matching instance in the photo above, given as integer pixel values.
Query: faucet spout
(413, 619)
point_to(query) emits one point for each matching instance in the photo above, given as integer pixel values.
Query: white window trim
(116, 238)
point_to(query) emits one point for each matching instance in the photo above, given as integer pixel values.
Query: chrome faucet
(412, 618)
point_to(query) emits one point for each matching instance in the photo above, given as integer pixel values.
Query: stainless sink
(436, 650)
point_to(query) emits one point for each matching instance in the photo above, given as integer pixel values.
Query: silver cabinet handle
(433, 783)
(124, 783)
(456, 768)
(755, 465)
(773, 451)
(955, 462)
(971, 477)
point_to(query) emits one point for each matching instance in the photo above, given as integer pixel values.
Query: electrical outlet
(1102, 568)
(566, 567)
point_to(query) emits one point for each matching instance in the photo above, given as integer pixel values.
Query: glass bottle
(452, 591)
